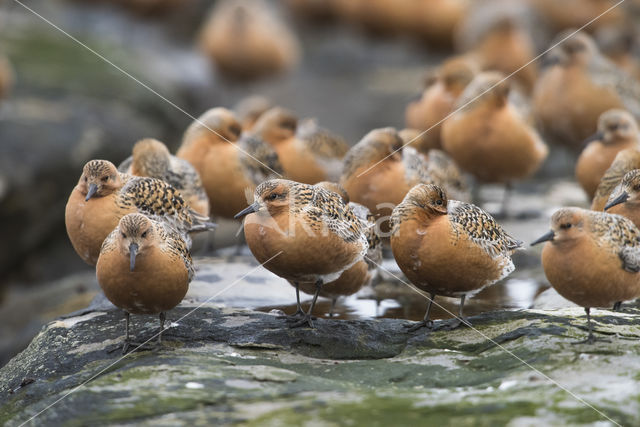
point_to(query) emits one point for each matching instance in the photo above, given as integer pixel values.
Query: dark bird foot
(459, 321)
(591, 339)
(292, 317)
(306, 320)
(139, 346)
(412, 327)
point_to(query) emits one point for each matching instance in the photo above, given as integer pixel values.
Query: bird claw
(591, 339)
(460, 321)
(412, 327)
(306, 320)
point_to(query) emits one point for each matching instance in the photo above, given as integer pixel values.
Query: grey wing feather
(630, 257)
(125, 166)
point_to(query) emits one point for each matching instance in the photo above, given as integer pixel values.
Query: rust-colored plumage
(103, 196)
(230, 166)
(625, 198)
(303, 233)
(592, 258)
(446, 247)
(488, 137)
(246, 40)
(578, 86)
(617, 130)
(144, 267)
(437, 101)
(308, 153)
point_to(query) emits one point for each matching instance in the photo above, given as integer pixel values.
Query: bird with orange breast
(229, 165)
(578, 85)
(592, 259)
(362, 273)
(152, 158)
(436, 20)
(380, 169)
(437, 101)
(246, 40)
(249, 109)
(489, 137)
(303, 233)
(499, 41)
(578, 13)
(450, 248)
(308, 153)
(619, 45)
(625, 198)
(625, 161)
(144, 267)
(617, 130)
(103, 196)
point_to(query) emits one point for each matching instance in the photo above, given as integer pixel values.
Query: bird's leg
(590, 338)
(127, 341)
(299, 311)
(617, 305)
(333, 306)
(504, 206)
(461, 320)
(163, 318)
(307, 318)
(426, 322)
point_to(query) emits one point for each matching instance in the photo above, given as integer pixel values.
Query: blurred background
(354, 65)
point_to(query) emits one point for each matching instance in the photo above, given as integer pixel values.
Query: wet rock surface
(222, 365)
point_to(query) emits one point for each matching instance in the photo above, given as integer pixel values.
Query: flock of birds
(317, 212)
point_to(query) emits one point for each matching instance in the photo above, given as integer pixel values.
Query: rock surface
(220, 365)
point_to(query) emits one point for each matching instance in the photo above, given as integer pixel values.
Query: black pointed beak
(246, 211)
(93, 189)
(595, 137)
(548, 236)
(133, 251)
(620, 199)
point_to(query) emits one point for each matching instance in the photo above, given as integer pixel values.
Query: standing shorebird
(578, 86)
(103, 196)
(592, 259)
(303, 233)
(625, 161)
(489, 137)
(625, 198)
(617, 130)
(229, 165)
(152, 158)
(308, 153)
(144, 267)
(446, 247)
(362, 273)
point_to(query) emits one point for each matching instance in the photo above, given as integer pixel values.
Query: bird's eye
(143, 235)
(104, 179)
(272, 196)
(439, 202)
(124, 236)
(636, 187)
(85, 179)
(566, 226)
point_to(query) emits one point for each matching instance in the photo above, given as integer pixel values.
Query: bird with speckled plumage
(144, 267)
(152, 158)
(229, 164)
(362, 273)
(617, 130)
(450, 248)
(578, 85)
(249, 109)
(592, 259)
(625, 198)
(308, 153)
(103, 196)
(625, 161)
(303, 233)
